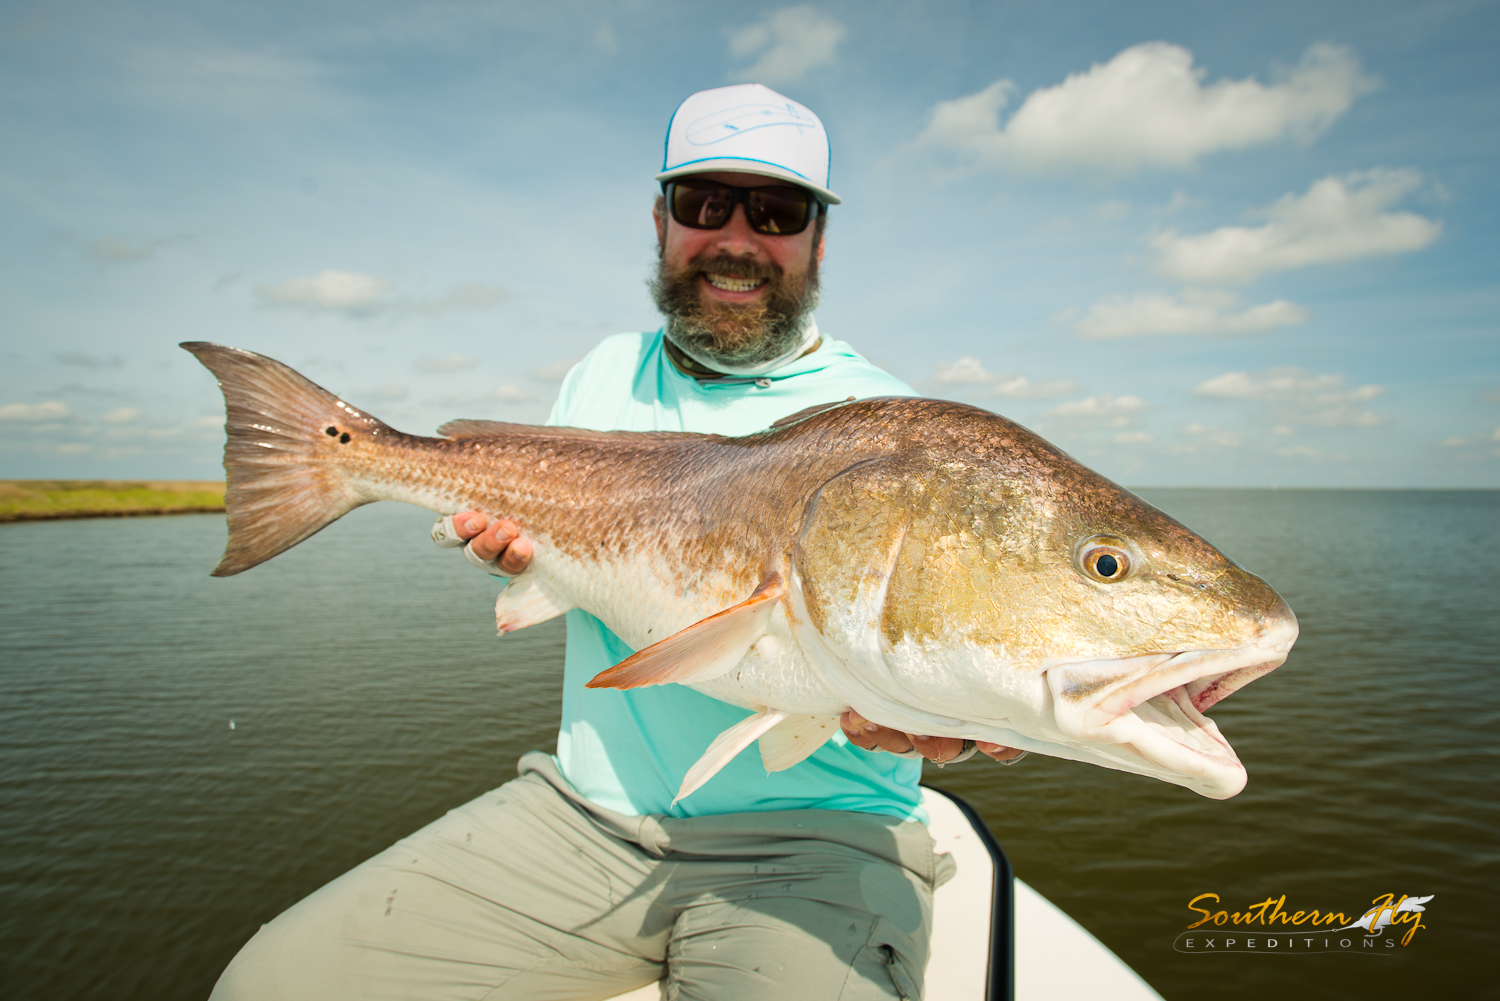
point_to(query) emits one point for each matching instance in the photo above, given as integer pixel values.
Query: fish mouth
(1147, 711)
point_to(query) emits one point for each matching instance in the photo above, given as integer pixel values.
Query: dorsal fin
(493, 429)
(804, 414)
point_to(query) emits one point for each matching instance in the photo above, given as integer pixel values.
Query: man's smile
(728, 283)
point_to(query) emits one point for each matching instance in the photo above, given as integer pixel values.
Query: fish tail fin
(282, 483)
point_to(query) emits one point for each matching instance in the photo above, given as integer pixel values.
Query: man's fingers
(517, 556)
(469, 524)
(493, 540)
(937, 749)
(999, 751)
(874, 737)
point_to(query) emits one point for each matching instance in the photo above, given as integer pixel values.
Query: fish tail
(283, 478)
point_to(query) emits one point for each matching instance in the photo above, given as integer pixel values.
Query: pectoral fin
(725, 746)
(702, 651)
(794, 739)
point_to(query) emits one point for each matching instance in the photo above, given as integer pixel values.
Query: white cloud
(1106, 408)
(1147, 107)
(1208, 437)
(361, 296)
(118, 250)
(122, 415)
(389, 393)
(336, 291)
(1134, 438)
(1459, 441)
(1338, 219)
(1021, 388)
(555, 371)
(969, 373)
(474, 295)
(1194, 313)
(34, 413)
(452, 363)
(233, 83)
(790, 42)
(82, 359)
(511, 393)
(1297, 396)
(1311, 454)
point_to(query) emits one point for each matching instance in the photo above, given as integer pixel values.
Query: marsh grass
(41, 500)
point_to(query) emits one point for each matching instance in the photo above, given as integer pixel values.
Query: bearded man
(581, 879)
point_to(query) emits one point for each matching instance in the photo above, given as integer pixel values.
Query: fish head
(1007, 593)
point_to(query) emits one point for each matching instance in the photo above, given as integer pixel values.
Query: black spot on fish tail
(344, 438)
(280, 489)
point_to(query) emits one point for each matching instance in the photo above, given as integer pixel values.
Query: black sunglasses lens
(702, 206)
(779, 210)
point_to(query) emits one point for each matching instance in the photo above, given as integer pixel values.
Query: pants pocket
(905, 963)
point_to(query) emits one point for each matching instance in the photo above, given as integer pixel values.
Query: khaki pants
(532, 893)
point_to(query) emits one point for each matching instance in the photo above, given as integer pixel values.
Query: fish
(935, 567)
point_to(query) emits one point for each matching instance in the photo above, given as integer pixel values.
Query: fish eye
(1104, 560)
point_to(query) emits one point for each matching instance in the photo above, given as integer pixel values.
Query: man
(581, 879)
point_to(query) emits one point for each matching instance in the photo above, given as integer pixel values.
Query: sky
(1193, 244)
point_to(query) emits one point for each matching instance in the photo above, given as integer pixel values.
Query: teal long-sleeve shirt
(629, 750)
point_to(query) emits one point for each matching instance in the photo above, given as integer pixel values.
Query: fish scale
(930, 565)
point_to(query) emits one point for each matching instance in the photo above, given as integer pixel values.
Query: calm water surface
(144, 839)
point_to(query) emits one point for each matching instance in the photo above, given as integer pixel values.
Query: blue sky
(1193, 244)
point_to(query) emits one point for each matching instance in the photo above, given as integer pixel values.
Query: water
(145, 840)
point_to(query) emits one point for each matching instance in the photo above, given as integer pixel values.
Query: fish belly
(647, 596)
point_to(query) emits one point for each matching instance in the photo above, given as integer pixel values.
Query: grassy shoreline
(47, 500)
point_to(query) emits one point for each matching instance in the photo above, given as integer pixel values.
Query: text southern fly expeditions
(1268, 926)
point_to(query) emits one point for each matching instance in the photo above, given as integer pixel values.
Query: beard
(722, 335)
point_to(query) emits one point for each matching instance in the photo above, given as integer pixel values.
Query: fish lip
(1170, 690)
(1205, 675)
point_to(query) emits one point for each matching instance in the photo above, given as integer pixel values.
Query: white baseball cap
(751, 129)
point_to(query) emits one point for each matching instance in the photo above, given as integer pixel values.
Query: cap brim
(742, 165)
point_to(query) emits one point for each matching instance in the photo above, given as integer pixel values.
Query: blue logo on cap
(731, 122)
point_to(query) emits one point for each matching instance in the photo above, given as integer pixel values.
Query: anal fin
(526, 602)
(725, 746)
(704, 650)
(794, 739)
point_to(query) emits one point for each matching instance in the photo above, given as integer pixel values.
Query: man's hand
(1001, 753)
(874, 737)
(500, 538)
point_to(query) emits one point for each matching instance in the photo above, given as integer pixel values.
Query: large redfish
(935, 567)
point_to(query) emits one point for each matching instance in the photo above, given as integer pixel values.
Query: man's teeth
(729, 284)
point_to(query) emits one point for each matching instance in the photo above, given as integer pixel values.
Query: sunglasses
(777, 209)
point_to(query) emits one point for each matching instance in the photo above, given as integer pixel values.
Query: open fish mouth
(1147, 711)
